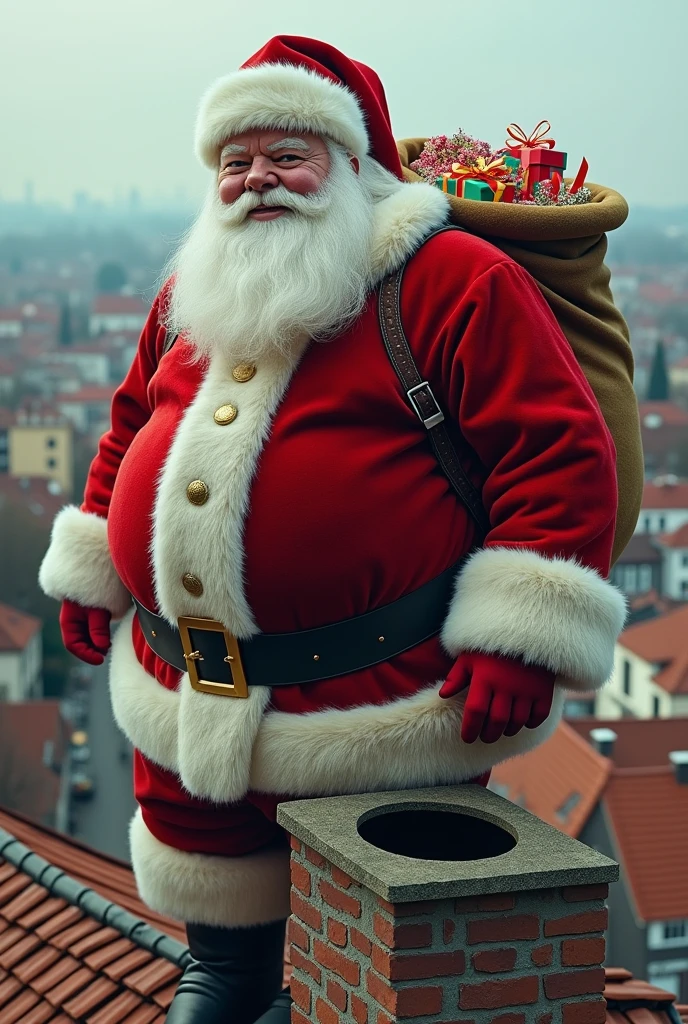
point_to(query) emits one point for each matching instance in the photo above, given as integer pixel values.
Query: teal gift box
(512, 162)
(478, 190)
(449, 185)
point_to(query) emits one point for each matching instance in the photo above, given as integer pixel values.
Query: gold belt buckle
(237, 685)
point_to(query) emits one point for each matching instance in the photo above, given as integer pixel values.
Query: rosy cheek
(304, 180)
(229, 189)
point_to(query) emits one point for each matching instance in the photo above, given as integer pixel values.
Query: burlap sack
(564, 249)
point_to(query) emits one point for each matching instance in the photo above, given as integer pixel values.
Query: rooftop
(31, 734)
(665, 495)
(78, 944)
(16, 628)
(640, 548)
(117, 305)
(662, 641)
(637, 787)
(677, 539)
(672, 415)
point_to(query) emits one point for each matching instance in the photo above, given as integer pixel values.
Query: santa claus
(305, 609)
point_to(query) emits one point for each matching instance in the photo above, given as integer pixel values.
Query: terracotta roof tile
(91, 998)
(9, 937)
(660, 496)
(152, 977)
(117, 1010)
(55, 975)
(55, 925)
(635, 1002)
(36, 964)
(146, 1014)
(75, 982)
(16, 628)
(16, 1010)
(560, 781)
(642, 805)
(25, 901)
(8, 990)
(108, 953)
(96, 940)
(43, 912)
(13, 886)
(41, 1013)
(163, 997)
(18, 951)
(83, 928)
(128, 964)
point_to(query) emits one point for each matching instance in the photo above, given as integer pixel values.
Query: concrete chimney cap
(678, 757)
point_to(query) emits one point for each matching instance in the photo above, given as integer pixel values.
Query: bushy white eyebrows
(231, 147)
(288, 144)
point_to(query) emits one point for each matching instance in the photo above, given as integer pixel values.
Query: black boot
(233, 977)
(279, 1011)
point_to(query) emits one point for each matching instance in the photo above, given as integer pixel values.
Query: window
(655, 707)
(661, 523)
(50, 442)
(4, 691)
(631, 584)
(626, 684)
(668, 934)
(684, 560)
(644, 578)
(51, 463)
(684, 588)
(648, 524)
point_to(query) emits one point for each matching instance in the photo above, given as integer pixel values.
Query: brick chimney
(442, 905)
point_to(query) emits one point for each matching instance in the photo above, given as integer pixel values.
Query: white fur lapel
(207, 540)
(401, 222)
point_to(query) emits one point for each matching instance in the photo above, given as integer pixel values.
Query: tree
(658, 388)
(111, 278)
(65, 336)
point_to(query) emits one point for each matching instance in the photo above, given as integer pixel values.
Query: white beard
(245, 287)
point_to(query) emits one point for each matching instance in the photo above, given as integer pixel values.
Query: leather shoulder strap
(421, 397)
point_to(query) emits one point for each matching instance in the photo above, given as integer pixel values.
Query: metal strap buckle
(436, 417)
(237, 687)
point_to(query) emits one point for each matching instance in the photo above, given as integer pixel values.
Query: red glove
(504, 694)
(85, 632)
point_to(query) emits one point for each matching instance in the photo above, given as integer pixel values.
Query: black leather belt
(219, 663)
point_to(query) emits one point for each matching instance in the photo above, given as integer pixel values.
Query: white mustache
(312, 205)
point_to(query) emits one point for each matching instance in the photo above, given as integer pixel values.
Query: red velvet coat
(325, 501)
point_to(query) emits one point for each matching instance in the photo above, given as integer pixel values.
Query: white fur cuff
(77, 565)
(278, 96)
(230, 892)
(552, 612)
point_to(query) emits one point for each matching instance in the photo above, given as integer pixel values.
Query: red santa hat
(300, 85)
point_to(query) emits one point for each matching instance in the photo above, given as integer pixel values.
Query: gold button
(225, 414)
(244, 372)
(192, 584)
(197, 492)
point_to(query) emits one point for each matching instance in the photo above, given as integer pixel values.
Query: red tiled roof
(660, 602)
(677, 539)
(57, 963)
(647, 810)
(672, 415)
(560, 781)
(640, 742)
(634, 1002)
(16, 628)
(114, 305)
(663, 640)
(665, 496)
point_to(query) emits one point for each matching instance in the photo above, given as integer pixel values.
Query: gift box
(488, 192)
(451, 184)
(554, 159)
(512, 162)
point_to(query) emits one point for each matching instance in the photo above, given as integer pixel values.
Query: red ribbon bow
(537, 139)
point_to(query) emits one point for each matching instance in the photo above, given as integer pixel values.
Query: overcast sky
(102, 95)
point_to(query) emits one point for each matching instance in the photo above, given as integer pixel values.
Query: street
(103, 820)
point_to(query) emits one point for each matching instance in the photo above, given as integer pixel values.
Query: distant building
(117, 313)
(33, 738)
(664, 435)
(88, 408)
(21, 656)
(638, 569)
(664, 505)
(37, 441)
(621, 787)
(650, 677)
(90, 362)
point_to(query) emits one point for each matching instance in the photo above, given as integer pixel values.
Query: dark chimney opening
(435, 835)
(603, 740)
(679, 759)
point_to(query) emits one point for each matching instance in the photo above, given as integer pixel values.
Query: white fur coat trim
(551, 611)
(411, 742)
(77, 565)
(278, 96)
(231, 892)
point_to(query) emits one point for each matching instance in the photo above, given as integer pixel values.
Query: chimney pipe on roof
(603, 741)
(679, 759)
